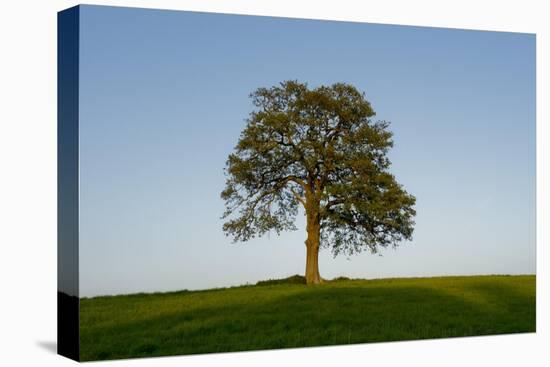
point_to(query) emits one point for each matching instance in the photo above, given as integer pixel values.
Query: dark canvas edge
(68, 24)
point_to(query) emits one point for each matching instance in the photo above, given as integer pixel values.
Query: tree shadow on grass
(316, 316)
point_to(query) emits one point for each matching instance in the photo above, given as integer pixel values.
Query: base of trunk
(314, 281)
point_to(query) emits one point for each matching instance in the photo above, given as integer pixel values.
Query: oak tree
(319, 152)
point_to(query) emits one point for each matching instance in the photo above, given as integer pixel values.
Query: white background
(28, 182)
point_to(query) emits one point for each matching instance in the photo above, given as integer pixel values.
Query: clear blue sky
(164, 96)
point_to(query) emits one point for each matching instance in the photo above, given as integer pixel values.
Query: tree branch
(298, 197)
(297, 180)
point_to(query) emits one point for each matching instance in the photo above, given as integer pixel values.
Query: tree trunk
(312, 245)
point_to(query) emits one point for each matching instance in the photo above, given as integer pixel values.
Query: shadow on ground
(50, 346)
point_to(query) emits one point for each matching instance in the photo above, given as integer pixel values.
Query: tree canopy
(320, 150)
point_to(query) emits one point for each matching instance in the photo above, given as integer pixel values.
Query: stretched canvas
(233, 183)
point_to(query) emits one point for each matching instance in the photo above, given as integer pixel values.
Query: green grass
(290, 314)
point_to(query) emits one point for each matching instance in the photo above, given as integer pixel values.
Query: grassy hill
(286, 314)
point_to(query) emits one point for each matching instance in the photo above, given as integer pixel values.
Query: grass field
(287, 315)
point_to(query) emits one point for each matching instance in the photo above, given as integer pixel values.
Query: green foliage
(319, 149)
(294, 279)
(293, 315)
